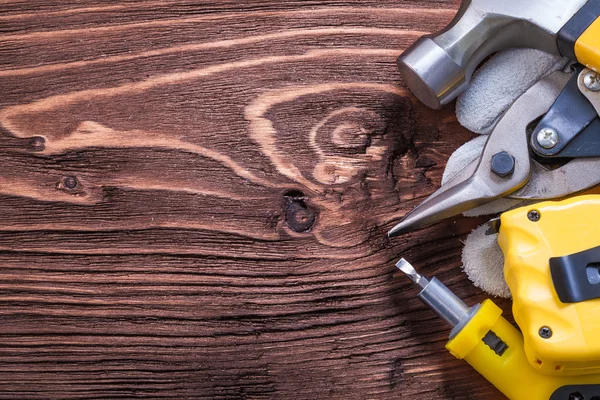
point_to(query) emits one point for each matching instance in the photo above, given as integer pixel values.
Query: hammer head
(437, 68)
(431, 74)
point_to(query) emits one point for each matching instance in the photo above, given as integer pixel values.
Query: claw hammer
(437, 68)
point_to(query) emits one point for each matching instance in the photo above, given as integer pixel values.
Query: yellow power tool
(552, 267)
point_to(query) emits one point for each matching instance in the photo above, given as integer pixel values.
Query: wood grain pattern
(195, 197)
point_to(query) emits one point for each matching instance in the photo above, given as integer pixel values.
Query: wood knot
(298, 216)
(71, 184)
(37, 143)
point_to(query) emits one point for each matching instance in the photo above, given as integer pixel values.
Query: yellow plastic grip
(587, 47)
(563, 228)
(510, 372)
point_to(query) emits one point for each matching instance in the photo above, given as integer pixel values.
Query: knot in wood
(298, 216)
(37, 143)
(70, 182)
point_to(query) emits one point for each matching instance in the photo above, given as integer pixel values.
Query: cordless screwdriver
(495, 348)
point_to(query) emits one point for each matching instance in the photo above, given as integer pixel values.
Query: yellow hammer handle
(587, 47)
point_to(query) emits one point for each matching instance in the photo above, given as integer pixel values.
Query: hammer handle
(579, 39)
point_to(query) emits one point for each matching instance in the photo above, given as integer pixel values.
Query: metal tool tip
(411, 221)
(405, 267)
(411, 272)
(397, 230)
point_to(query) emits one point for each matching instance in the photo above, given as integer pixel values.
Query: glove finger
(499, 82)
(483, 262)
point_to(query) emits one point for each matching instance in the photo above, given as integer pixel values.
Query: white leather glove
(494, 87)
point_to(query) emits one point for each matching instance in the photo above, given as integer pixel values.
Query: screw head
(591, 80)
(547, 138)
(503, 164)
(576, 396)
(534, 215)
(545, 332)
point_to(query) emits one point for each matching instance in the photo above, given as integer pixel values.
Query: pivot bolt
(545, 332)
(591, 80)
(547, 138)
(503, 164)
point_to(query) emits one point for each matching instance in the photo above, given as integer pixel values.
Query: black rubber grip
(570, 33)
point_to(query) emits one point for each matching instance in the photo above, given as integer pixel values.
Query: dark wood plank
(195, 197)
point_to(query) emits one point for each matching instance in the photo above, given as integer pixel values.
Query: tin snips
(545, 146)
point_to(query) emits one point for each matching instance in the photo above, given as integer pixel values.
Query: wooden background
(195, 195)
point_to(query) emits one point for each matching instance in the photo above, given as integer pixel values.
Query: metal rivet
(545, 332)
(592, 81)
(547, 138)
(534, 215)
(503, 164)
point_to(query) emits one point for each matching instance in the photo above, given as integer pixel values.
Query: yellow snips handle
(587, 47)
